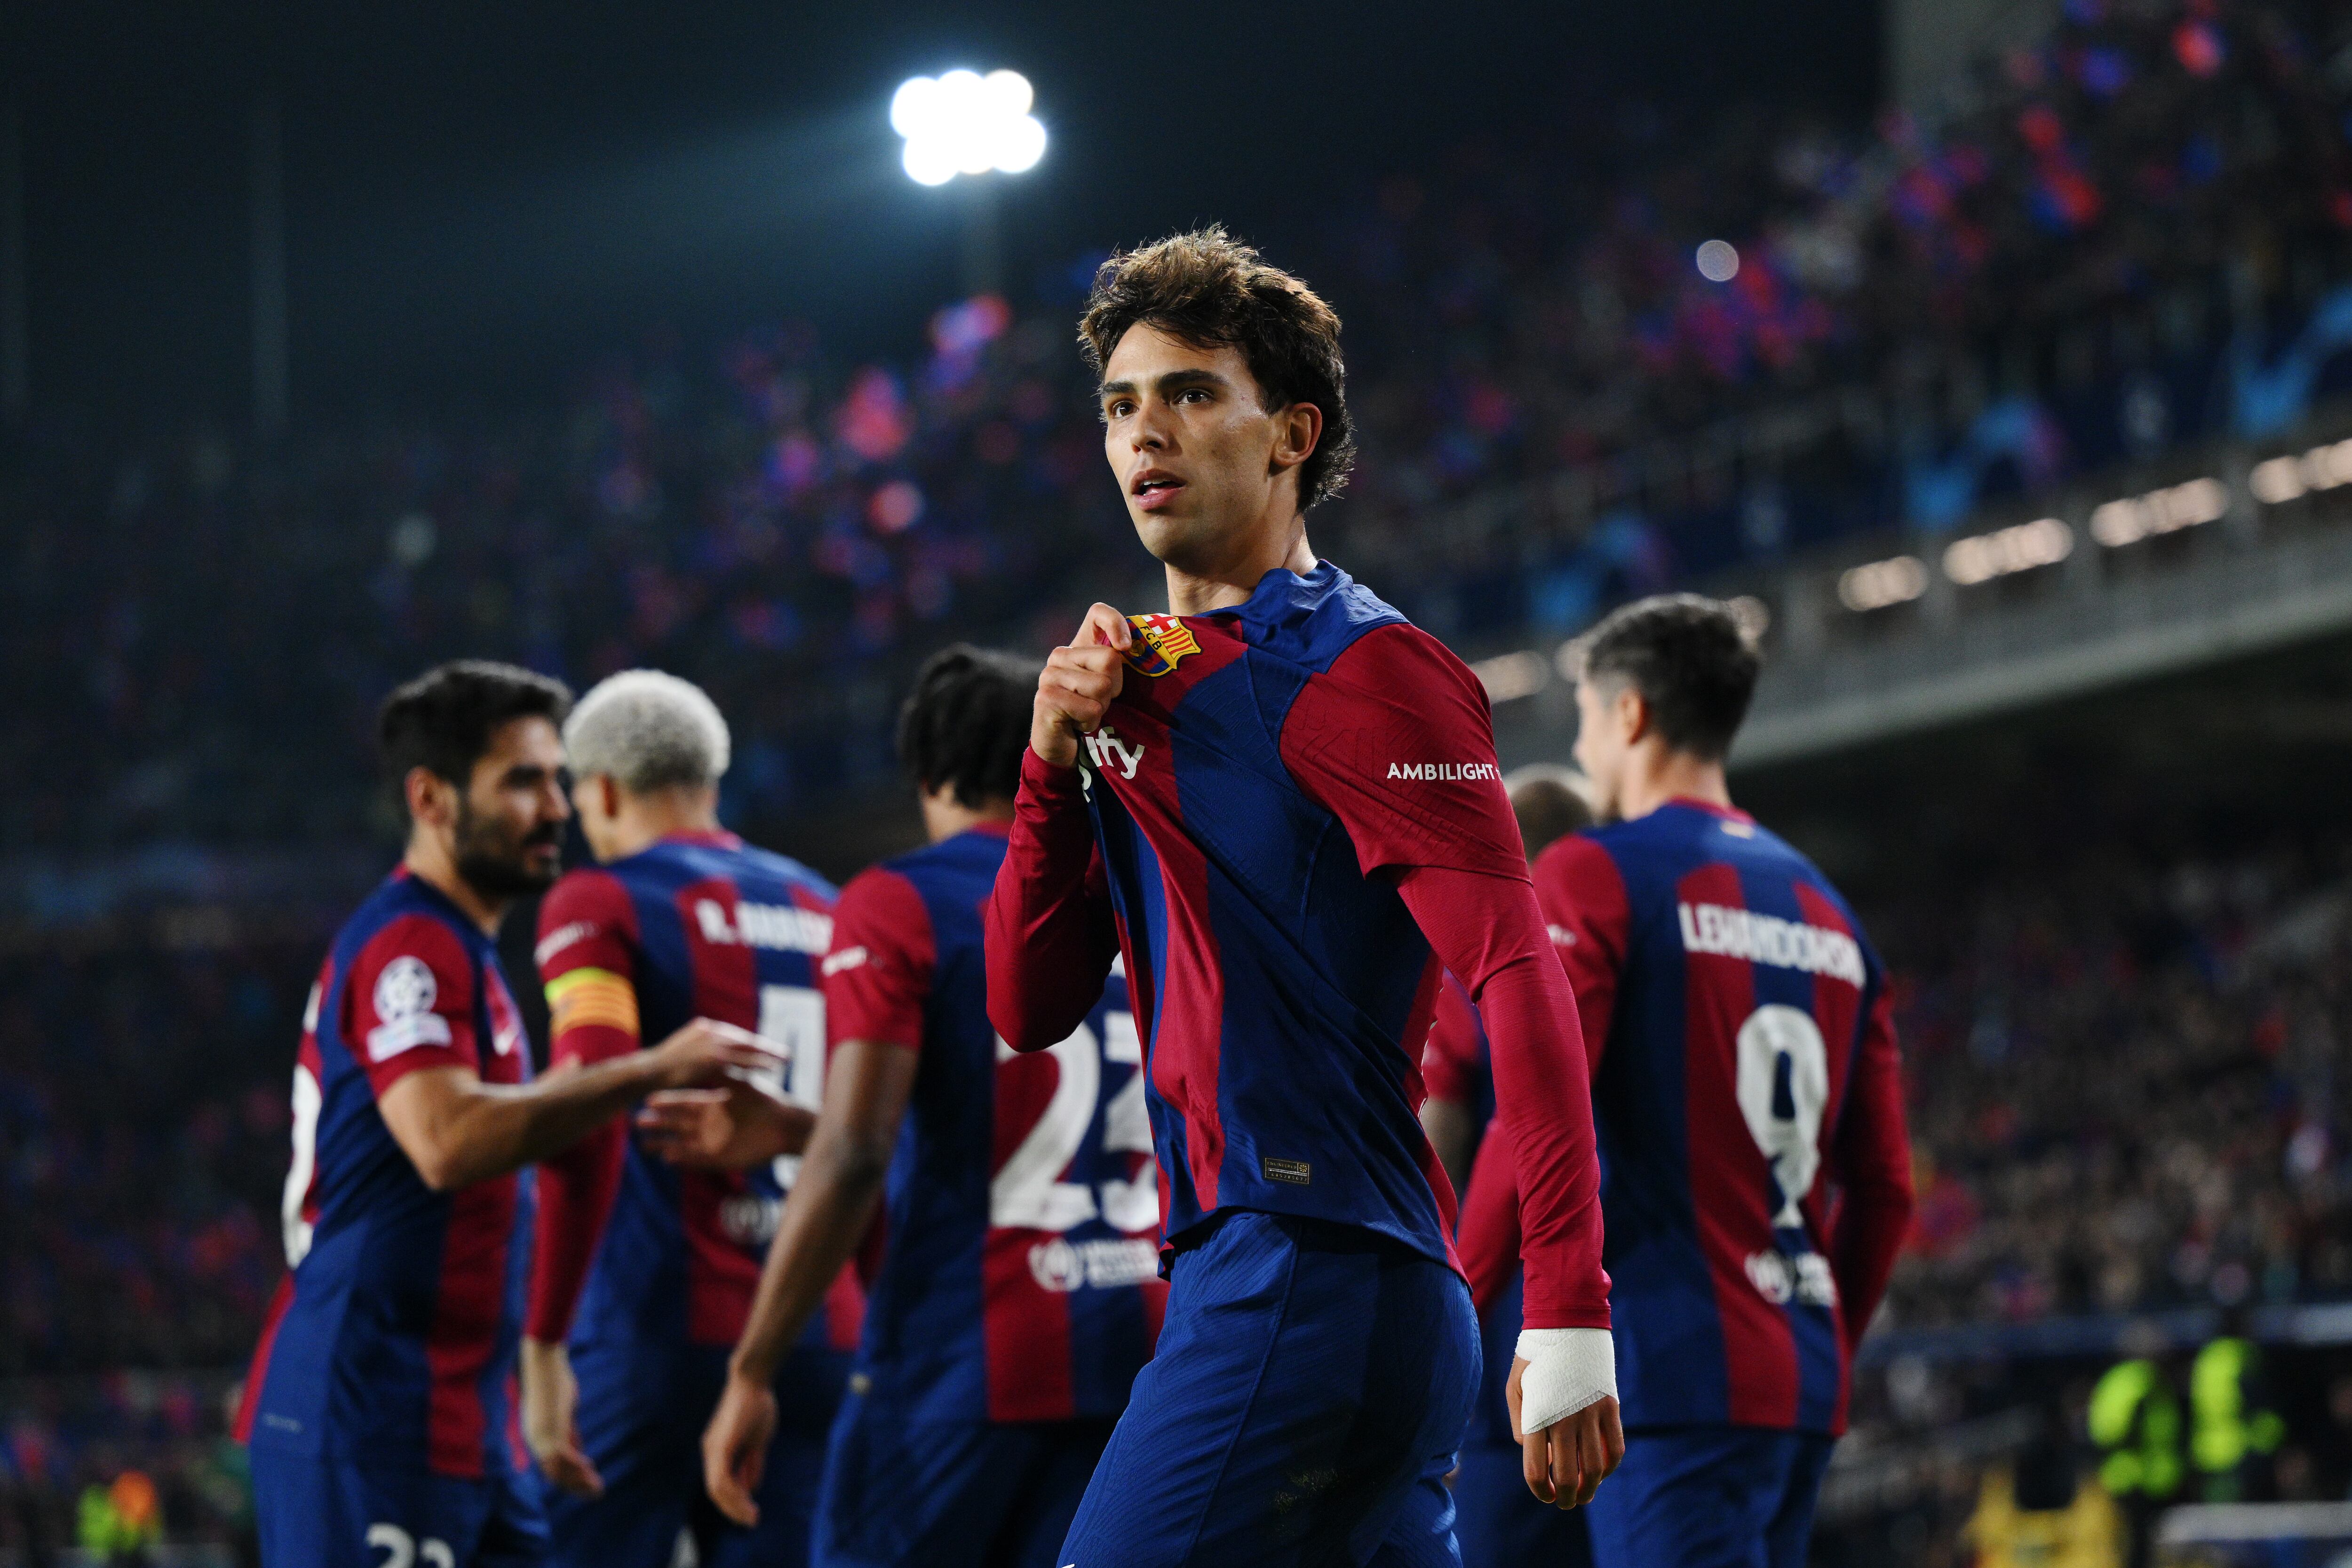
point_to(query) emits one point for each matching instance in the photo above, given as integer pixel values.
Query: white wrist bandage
(1568, 1369)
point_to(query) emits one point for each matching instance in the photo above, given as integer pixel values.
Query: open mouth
(1152, 488)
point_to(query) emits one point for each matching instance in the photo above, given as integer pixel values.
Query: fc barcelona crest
(1165, 643)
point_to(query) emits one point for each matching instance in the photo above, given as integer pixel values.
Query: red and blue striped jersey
(632, 1250)
(393, 1338)
(1755, 1170)
(1019, 1279)
(1291, 801)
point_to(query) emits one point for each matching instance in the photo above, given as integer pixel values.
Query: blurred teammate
(1018, 1291)
(1496, 1519)
(1456, 1072)
(1280, 802)
(642, 1274)
(379, 1408)
(1745, 1091)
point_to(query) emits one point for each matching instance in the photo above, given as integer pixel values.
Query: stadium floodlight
(962, 122)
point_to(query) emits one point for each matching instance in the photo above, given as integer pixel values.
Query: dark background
(482, 196)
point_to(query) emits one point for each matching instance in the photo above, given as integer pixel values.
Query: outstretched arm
(458, 1130)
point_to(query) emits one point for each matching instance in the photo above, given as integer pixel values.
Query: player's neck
(428, 861)
(944, 817)
(645, 820)
(1656, 777)
(1203, 589)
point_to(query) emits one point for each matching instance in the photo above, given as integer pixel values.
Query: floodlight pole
(983, 235)
(15, 334)
(268, 263)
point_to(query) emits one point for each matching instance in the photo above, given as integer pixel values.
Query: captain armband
(591, 998)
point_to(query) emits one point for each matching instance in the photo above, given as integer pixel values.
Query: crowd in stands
(2127, 1089)
(1559, 409)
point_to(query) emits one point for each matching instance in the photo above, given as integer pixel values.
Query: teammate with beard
(1757, 1176)
(378, 1408)
(1278, 803)
(642, 1273)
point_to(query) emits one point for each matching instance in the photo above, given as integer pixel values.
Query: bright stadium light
(965, 123)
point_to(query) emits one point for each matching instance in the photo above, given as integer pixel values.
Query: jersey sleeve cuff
(1535, 1313)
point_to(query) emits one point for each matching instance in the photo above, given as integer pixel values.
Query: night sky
(482, 197)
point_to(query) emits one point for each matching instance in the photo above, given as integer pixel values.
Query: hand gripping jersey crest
(1165, 643)
(392, 1341)
(1019, 1279)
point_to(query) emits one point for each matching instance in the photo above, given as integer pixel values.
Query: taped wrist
(1568, 1369)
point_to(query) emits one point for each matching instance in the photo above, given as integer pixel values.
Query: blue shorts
(1710, 1497)
(318, 1512)
(1303, 1409)
(1497, 1520)
(951, 1494)
(641, 1421)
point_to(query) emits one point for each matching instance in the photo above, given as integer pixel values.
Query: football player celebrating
(1747, 1090)
(1018, 1293)
(1279, 804)
(377, 1408)
(641, 1274)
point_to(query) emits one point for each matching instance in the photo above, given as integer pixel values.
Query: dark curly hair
(444, 718)
(1689, 657)
(966, 723)
(1209, 289)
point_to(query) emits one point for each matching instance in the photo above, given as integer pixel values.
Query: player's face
(1198, 457)
(1601, 743)
(509, 831)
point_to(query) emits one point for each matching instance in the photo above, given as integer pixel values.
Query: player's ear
(1298, 429)
(431, 799)
(1633, 714)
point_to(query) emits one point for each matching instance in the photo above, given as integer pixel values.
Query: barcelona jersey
(392, 1343)
(1019, 1280)
(635, 1254)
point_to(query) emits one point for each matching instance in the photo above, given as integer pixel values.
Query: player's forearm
(825, 1218)
(1048, 942)
(489, 1129)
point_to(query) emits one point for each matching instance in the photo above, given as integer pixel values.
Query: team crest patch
(1166, 641)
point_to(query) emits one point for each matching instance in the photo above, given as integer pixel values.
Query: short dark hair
(1548, 808)
(445, 717)
(1690, 660)
(1209, 289)
(966, 723)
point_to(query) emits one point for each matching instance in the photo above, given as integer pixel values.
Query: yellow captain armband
(588, 998)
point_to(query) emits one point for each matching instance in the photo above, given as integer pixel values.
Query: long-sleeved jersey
(1291, 814)
(1019, 1278)
(1756, 1174)
(630, 1249)
(391, 1341)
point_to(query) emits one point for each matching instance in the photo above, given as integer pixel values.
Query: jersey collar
(712, 837)
(1727, 813)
